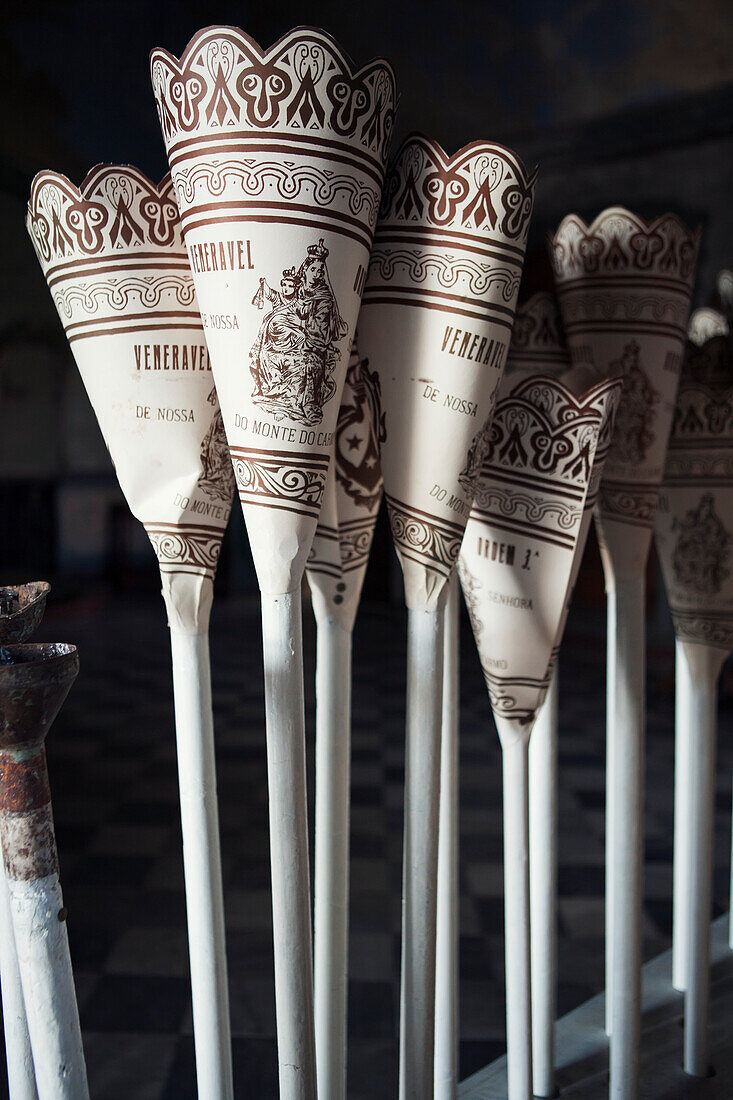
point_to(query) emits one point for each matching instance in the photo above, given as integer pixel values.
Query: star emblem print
(354, 442)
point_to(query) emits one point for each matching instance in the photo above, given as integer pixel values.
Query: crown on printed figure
(317, 251)
(289, 275)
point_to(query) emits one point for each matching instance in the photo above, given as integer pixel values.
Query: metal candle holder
(21, 609)
(34, 681)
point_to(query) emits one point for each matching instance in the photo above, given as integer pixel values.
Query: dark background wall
(627, 102)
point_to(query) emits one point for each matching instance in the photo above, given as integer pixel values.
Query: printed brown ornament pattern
(113, 253)
(302, 84)
(618, 243)
(482, 188)
(286, 182)
(360, 433)
(280, 479)
(117, 208)
(421, 537)
(537, 337)
(185, 548)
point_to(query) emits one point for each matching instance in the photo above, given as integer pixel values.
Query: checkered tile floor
(113, 775)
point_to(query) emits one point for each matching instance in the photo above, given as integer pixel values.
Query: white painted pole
(282, 640)
(611, 646)
(331, 932)
(202, 863)
(21, 1073)
(42, 943)
(516, 919)
(682, 830)
(543, 796)
(627, 801)
(420, 856)
(447, 937)
(703, 722)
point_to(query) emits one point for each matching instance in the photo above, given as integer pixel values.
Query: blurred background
(626, 102)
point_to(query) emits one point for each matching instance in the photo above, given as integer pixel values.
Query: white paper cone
(114, 259)
(435, 324)
(518, 561)
(522, 540)
(694, 535)
(543, 801)
(624, 289)
(336, 568)
(277, 159)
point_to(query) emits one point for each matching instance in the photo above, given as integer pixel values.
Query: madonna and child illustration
(294, 356)
(702, 549)
(633, 434)
(217, 475)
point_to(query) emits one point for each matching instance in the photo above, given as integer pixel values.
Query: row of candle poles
(247, 269)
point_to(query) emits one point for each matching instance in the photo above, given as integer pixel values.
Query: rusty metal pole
(21, 610)
(34, 681)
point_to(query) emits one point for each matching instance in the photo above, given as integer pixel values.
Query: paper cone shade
(694, 522)
(704, 325)
(526, 532)
(435, 324)
(277, 159)
(340, 552)
(624, 289)
(114, 260)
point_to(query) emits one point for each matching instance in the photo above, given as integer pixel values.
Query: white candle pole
(420, 857)
(336, 569)
(283, 656)
(18, 1056)
(202, 862)
(409, 329)
(177, 478)
(448, 921)
(535, 575)
(612, 314)
(694, 511)
(683, 732)
(331, 931)
(704, 667)
(543, 799)
(279, 391)
(626, 796)
(517, 946)
(611, 648)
